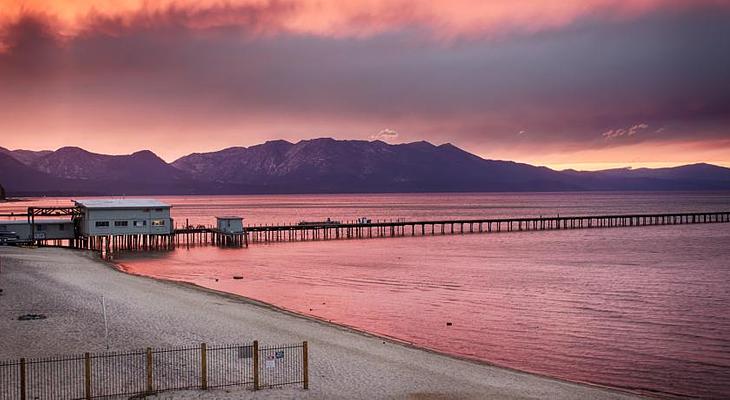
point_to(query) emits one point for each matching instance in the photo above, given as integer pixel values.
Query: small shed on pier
(109, 217)
(229, 224)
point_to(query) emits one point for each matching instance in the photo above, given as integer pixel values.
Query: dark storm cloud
(667, 70)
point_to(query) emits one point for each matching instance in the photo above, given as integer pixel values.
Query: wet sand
(67, 287)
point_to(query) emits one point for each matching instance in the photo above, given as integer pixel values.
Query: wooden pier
(330, 231)
(195, 236)
(187, 237)
(108, 245)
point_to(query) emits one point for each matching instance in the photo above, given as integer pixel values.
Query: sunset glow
(570, 84)
(445, 198)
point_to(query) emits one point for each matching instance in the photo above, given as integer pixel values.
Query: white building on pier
(110, 217)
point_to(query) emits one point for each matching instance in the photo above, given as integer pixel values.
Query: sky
(584, 84)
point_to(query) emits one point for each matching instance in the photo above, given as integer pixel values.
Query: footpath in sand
(67, 285)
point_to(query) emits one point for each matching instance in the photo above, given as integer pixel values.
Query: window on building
(121, 223)
(158, 222)
(158, 209)
(61, 227)
(102, 224)
(40, 228)
(140, 223)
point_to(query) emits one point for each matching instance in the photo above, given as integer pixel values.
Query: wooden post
(22, 379)
(149, 370)
(305, 364)
(203, 367)
(87, 375)
(255, 365)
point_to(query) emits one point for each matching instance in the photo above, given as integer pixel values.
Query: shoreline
(394, 340)
(349, 363)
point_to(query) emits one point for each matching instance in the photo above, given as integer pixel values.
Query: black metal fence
(98, 375)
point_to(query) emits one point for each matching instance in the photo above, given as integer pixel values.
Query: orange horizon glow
(642, 155)
(588, 166)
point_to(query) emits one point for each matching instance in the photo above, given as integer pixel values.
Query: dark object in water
(448, 324)
(31, 317)
(237, 277)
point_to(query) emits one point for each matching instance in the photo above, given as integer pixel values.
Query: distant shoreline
(329, 166)
(68, 196)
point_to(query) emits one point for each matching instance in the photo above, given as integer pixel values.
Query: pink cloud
(385, 135)
(624, 132)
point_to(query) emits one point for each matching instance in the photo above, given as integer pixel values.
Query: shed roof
(121, 203)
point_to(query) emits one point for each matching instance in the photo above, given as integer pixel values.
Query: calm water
(639, 308)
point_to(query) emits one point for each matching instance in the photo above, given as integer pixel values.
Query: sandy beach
(67, 287)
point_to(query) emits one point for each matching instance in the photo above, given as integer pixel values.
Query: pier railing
(148, 371)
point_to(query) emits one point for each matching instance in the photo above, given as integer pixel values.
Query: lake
(641, 308)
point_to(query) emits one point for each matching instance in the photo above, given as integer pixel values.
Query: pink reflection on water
(642, 308)
(567, 304)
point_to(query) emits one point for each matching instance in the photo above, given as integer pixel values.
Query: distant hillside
(76, 163)
(327, 165)
(322, 166)
(686, 177)
(72, 170)
(25, 156)
(701, 172)
(17, 178)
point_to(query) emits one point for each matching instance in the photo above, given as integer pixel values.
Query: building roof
(228, 217)
(121, 203)
(37, 222)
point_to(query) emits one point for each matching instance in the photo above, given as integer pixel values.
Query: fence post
(87, 375)
(22, 379)
(255, 365)
(149, 370)
(305, 364)
(203, 367)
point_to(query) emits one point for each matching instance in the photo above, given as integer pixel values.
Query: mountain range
(321, 166)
